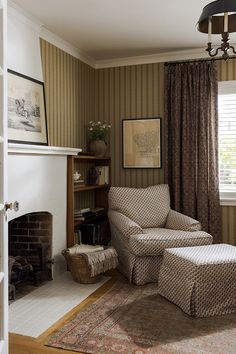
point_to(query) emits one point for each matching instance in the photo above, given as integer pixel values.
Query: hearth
(30, 251)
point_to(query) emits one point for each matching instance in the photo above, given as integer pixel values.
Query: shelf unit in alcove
(99, 192)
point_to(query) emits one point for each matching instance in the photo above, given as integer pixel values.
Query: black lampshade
(213, 10)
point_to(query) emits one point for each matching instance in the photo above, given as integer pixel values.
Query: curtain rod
(195, 60)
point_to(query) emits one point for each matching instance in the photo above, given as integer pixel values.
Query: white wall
(37, 182)
(24, 45)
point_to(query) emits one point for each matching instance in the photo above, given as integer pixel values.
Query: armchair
(143, 226)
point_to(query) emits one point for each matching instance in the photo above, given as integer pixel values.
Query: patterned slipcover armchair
(143, 225)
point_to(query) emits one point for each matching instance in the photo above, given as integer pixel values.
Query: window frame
(227, 197)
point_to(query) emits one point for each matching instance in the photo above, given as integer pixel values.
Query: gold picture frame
(142, 143)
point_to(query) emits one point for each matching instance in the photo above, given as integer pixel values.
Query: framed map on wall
(141, 143)
(27, 121)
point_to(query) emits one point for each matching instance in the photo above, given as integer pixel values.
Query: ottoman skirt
(200, 280)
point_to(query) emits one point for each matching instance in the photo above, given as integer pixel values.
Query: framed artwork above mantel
(142, 143)
(27, 122)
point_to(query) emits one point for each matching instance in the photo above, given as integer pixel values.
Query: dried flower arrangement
(98, 130)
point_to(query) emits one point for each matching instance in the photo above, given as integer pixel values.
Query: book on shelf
(78, 237)
(82, 211)
(88, 233)
(107, 178)
(82, 218)
(77, 212)
(95, 232)
(103, 174)
(87, 218)
(98, 211)
(85, 210)
(86, 214)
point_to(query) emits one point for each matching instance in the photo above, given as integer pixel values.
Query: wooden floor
(27, 345)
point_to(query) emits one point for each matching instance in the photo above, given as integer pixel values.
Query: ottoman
(201, 280)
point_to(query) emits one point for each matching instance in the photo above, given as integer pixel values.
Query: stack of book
(87, 214)
(98, 211)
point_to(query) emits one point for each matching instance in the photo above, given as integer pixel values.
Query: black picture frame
(142, 143)
(27, 117)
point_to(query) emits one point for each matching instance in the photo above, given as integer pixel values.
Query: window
(227, 138)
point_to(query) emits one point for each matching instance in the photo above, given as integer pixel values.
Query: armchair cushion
(126, 226)
(147, 207)
(178, 221)
(154, 241)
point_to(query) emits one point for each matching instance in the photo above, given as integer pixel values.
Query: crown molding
(29, 20)
(153, 58)
(66, 46)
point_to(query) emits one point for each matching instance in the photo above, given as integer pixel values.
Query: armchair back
(148, 207)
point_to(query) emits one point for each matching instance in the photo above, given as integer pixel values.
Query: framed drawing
(141, 143)
(27, 121)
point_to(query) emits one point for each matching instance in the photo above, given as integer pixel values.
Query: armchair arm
(126, 226)
(178, 221)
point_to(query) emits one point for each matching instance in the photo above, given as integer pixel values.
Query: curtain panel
(191, 142)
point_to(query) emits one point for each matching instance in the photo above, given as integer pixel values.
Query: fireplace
(30, 249)
(30, 236)
(38, 181)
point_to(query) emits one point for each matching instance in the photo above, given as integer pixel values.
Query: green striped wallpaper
(129, 92)
(69, 90)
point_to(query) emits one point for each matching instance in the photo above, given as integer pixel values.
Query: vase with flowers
(97, 134)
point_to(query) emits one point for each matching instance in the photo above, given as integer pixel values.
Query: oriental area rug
(133, 319)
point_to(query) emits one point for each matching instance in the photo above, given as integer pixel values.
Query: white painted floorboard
(36, 312)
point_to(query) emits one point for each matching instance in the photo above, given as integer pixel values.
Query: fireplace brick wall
(29, 232)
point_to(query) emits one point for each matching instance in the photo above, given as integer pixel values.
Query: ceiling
(108, 29)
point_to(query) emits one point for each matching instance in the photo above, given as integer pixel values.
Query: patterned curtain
(191, 139)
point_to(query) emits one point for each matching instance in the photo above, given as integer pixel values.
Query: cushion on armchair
(148, 207)
(154, 241)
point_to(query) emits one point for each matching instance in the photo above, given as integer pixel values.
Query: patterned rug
(135, 320)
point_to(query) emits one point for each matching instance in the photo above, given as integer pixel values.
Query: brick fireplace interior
(30, 250)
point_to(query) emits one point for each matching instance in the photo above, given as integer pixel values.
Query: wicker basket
(79, 269)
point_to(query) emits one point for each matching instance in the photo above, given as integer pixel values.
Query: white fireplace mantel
(37, 179)
(41, 149)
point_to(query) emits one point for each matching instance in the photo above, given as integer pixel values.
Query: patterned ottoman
(201, 280)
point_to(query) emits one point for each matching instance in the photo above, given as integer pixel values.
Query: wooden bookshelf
(99, 193)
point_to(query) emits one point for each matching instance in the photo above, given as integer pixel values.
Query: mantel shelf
(41, 149)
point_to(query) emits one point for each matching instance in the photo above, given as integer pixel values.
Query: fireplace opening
(30, 252)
